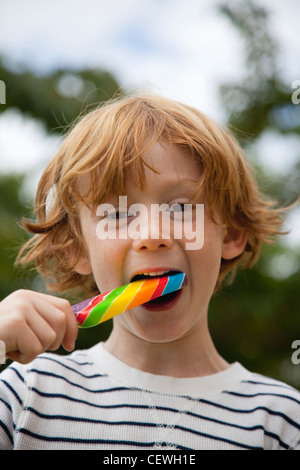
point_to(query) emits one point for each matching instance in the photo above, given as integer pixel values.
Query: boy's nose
(153, 238)
(155, 230)
(151, 244)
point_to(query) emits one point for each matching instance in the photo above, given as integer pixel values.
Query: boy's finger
(59, 302)
(71, 331)
(59, 315)
(27, 347)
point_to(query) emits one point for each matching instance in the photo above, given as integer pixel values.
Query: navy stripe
(142, 444)
(213, 420)
(277, 413)
(232, 410)
(84, 402)
(217, 438)
(158, 408)
(91, 420)
(237, 426)
(259, 394)
(270, 384)
(17, 373)
(79, 353)
(6, 430)
(140, 424)
(93, 441)
(292, 447)
(69, 368)
(6, 404)
(86, 363)
(264, 408)
(10, 409)
(13, 391)
(61, 377)
(274, 436)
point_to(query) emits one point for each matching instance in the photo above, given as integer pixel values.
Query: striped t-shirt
(91, 400)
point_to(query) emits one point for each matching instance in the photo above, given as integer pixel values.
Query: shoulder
(263, 391)
(277, 405)
(257, 385)
(59, 370)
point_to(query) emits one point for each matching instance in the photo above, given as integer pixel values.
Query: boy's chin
(161, 331)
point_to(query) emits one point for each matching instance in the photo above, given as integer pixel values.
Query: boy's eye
(177, 207)
(117, 215)
(180, 207)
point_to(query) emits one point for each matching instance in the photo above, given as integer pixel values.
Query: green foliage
(262, 100)
(59, 98)
(12, 209)
(256, 320)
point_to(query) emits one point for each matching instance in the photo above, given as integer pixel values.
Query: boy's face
(114, 262)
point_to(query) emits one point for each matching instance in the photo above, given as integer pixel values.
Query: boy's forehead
(163, 159)
(162, 164)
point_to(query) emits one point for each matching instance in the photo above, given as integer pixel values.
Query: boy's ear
(84, 266)
(81, 266)
(234, 242)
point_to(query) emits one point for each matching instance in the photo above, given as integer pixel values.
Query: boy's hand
(32, 322)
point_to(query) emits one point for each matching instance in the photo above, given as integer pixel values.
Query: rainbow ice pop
(92, 312)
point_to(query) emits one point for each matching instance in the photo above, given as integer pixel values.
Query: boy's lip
(155, 269)
(165, 306)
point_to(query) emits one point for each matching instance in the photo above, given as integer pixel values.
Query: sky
(183, 49)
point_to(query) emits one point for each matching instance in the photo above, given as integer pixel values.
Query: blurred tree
(59, 98)
(261, 101)
(256, 320)
(12, 209)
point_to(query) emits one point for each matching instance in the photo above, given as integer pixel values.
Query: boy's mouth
(165, 301)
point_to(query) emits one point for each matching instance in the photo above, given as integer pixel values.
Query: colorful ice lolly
(92, 312)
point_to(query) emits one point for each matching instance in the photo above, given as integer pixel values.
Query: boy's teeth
(155, 273)
(143, 275)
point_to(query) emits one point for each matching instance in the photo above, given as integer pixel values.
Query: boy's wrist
(2, 352)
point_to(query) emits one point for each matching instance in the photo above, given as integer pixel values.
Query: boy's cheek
(107, 261)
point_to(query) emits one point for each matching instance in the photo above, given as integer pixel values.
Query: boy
(158, 381)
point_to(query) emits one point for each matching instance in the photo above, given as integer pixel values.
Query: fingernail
(69, 347)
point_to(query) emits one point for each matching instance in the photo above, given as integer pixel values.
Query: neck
(193, 355)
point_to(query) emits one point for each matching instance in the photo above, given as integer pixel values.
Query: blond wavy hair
(112, 138)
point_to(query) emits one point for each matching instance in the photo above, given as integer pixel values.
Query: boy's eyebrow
(181, 182)
(167, 185)
(189, 180)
